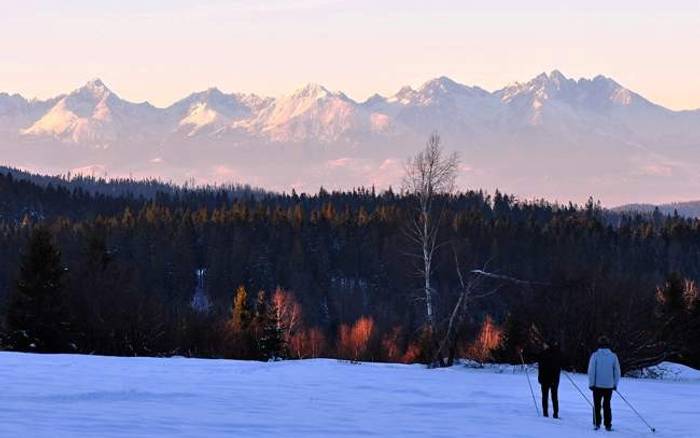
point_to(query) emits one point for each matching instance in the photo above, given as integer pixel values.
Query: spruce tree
(37, 319)
(258, 324)
(272, 344)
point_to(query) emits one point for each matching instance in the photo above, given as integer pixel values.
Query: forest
(142, 269)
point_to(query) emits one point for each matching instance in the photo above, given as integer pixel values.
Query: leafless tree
(429, 179)
(478, 283)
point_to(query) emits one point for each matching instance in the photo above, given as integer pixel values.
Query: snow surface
(91, 396)
(671, 371)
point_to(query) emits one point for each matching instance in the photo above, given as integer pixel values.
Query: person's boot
(555, 416)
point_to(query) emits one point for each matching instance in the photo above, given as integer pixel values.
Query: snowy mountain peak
(11, 102)
(212, 91)
(404, 95)
(210, 96)
(552, 128)
(95, 83)
(446, 86)
(554, 81)
(92, 115)
(95, 87)
(442, 83)
(596, 94)
(212, 110)
(436, 91)
(556, 75)
(313, 91)
(311, 112)
(374, 101)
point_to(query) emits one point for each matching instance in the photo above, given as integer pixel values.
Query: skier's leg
(555, 399)
(607, 410)
(597, 397)
(545, 396)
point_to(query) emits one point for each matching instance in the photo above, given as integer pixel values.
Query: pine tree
(259, 322)
(272, 343)
(37, 319)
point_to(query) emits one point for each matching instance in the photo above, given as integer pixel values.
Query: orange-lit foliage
(418, 350)
(316, 342)
(391, 345)
(353, 341)
(287, 312)
(236, 334)
(309, 343)
(691, 294)
(488, 340)
(239, 311)
(413, 353)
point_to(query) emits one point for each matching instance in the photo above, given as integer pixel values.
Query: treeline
(39, 196)
(287, 275)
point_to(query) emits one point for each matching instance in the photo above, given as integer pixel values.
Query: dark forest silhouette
(295, 276)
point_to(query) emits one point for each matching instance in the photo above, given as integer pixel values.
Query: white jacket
(603, 369)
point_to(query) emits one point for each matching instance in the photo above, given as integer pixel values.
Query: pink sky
(161, 50)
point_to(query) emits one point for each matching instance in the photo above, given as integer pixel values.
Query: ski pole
(582, 394)
(635, 411)
(534, 401)
(577, 388)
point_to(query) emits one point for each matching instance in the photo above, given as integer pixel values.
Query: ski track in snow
(92, 396)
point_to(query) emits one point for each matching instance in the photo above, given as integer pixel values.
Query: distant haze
(159, 50)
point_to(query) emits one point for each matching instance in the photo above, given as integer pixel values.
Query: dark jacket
(550, 363)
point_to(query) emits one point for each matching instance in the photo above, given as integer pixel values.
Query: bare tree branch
(429, 175)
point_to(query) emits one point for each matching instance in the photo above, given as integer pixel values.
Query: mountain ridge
(552, 136)
(553, 75)
(686, 209)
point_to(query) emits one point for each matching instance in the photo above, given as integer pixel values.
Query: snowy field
(87, 396)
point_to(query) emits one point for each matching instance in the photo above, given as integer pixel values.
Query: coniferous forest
(139, 268)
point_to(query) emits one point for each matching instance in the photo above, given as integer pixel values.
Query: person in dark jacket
(549, 370)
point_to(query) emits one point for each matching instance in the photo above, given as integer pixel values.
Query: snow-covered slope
(95, 116)
(17, 112)
(69, 396)
(312, 113)
(552, 137)
(440, 104)
(210, 111)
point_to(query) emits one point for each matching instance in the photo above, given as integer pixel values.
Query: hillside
(64, 396)
(687, 209)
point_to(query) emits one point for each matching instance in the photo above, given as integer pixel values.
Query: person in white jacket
(603, 377)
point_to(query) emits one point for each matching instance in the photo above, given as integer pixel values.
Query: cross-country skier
(603, 377)
(548, 375)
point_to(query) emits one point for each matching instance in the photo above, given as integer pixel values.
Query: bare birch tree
(429, 178)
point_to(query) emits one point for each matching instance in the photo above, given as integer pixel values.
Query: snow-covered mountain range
(551, 137)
